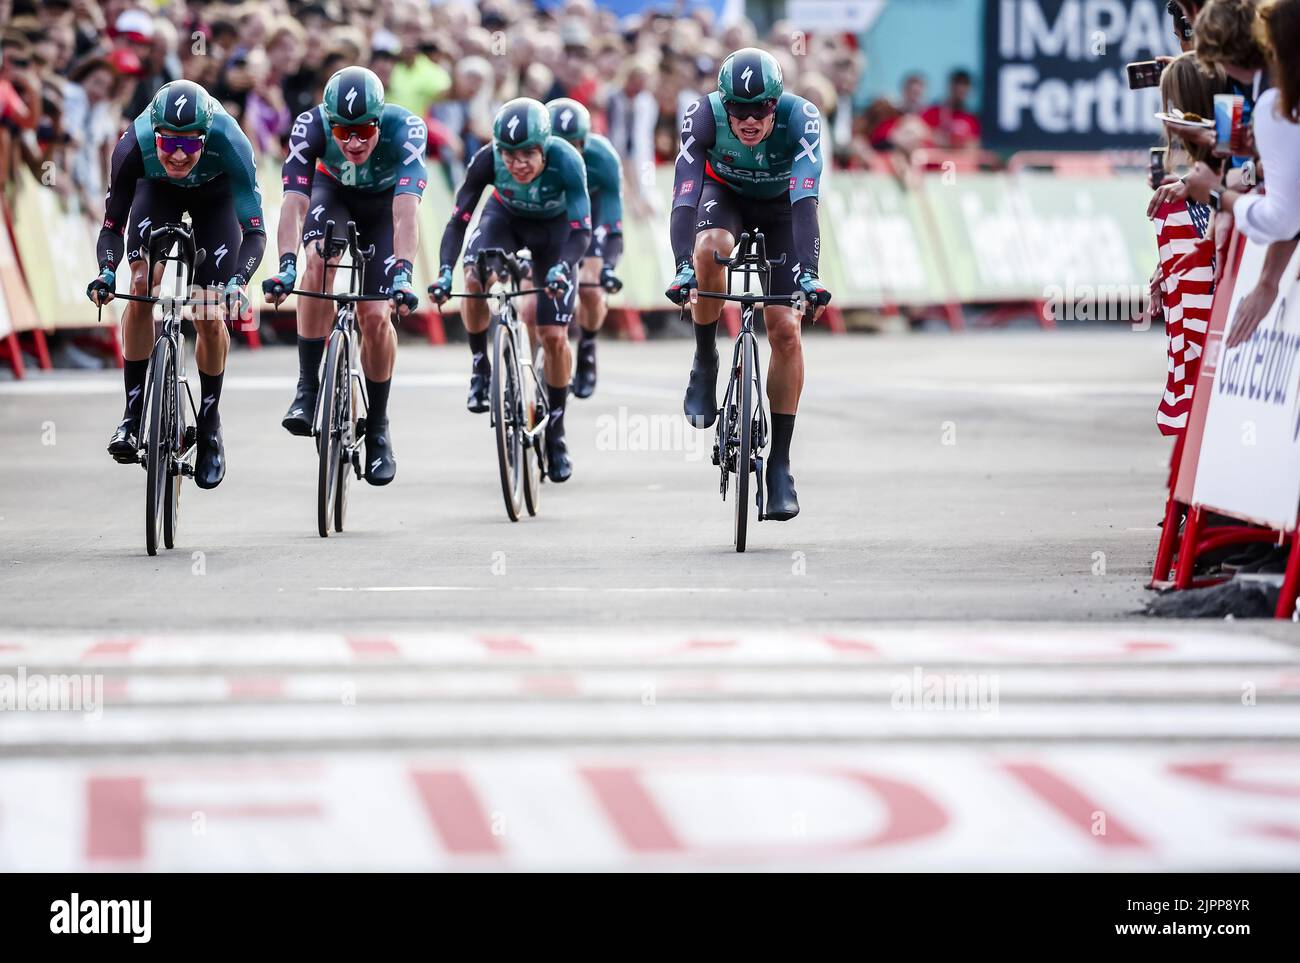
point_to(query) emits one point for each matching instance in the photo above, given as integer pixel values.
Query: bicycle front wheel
(172, 500)
(348, 428)
(161, 382)
(505, 417)
(745, 445)
(329, 434)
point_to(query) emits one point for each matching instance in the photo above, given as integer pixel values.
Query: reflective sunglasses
(764, 108)
(346, 132)
(169, 145)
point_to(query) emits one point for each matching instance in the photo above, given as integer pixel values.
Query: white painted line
(399, 725)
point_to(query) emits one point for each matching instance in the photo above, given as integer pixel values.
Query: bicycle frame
(331, 248)
(742, 424)
(187, 259)
(507, 267)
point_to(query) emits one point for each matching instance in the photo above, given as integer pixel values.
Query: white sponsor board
(1250, 454)
(848, 16)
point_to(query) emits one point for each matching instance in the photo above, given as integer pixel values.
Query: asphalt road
(999, 476)
(936, 666)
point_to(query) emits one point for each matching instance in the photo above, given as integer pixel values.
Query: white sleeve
(1275, 215)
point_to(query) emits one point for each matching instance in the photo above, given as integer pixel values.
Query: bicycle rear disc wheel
(156, 454)
(329, 439)
(348, 429)
(745, 446)
(172, 502)
(505, 412)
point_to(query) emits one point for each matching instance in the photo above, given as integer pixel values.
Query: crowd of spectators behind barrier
(75, 72)
(1250, 48)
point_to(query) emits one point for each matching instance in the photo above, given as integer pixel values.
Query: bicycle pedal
(186, 469)
(191, 435)
(361, 427)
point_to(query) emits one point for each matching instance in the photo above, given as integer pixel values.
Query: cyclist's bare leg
(315, 316)
(710, 275)
(592, 306)
(378, 340)
(785, 374)
(474, 311)
(138, 333)
(559, 357)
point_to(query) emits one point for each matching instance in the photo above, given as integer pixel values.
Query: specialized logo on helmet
(352, 95)
(745, 75)
(510, 127)
(565, 118)
(181, 101)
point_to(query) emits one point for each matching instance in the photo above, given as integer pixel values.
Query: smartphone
(1144, 73)
(1158, 155)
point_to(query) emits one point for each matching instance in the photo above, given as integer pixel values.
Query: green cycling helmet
(750, 76)
(354, 95)
(569, 119)
(182, 106)
(522, 123)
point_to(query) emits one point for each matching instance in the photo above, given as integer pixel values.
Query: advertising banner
(1054, 75)
(1249, 463)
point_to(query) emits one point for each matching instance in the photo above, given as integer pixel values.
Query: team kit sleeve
(242, 173)
(413, 141)
(805, 130)
(577, 209)
(477, 177)
(127, 167)
(697, 136)
(607, 217)
(306, 144)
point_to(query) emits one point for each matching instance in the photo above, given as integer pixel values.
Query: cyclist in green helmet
(352, 158)
(571, 120)
(183, 154)
(750, 158)
(539, 201)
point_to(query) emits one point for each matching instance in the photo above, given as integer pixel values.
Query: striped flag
(1187, 290)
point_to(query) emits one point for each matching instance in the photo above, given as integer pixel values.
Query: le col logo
(75, 916)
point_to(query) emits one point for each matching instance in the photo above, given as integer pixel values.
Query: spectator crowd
(75, 72)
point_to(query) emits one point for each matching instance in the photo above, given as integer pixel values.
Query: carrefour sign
(1054, 75)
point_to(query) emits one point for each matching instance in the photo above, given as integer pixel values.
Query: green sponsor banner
(57, 247)
(877, 247)
(1029, 237)
(975, 237)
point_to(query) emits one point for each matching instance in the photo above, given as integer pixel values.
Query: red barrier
(1180, 550)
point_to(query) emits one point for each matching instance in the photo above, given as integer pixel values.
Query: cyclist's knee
(208, 323)
(591, 298)
(707, 243)
(374, 318)
(554, 336)
(139, 279)
(313, 270)
(783, 333)
(472, 284)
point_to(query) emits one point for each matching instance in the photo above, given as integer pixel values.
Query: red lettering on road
(1070, 802)
(456, 812)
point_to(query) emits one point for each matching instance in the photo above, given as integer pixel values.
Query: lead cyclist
(750, 158)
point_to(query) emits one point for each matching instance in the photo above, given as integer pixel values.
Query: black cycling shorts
(721, 208)
(497, 227)
(211, 207)
(373, 213)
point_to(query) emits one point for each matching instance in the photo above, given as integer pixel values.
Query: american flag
(1187, 290)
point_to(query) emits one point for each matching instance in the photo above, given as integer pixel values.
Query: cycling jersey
(605, 188)
(225, 169)
(396, 164)
(785, 164)
(558, 193)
